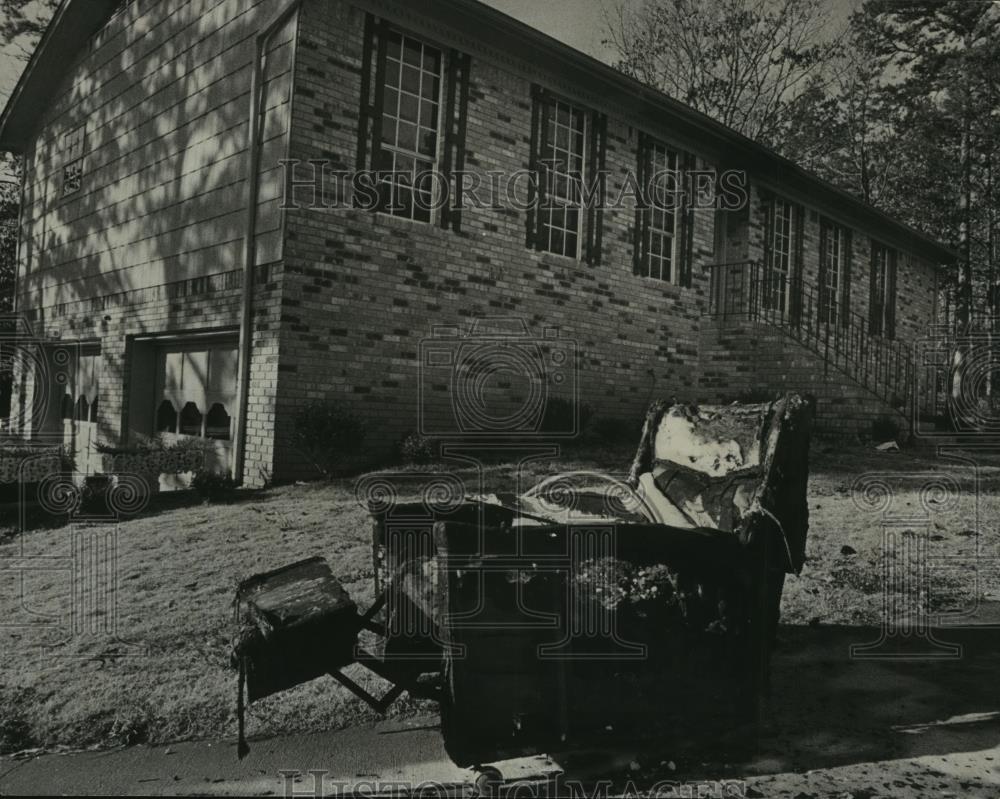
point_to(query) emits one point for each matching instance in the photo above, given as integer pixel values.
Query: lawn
(178, 566)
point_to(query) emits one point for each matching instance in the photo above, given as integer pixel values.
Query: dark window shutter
(890, 295)
(845, 303)
(537, 99)
(379, 104)
(874, 311)
(597, 162)
(542, 175)
(456, 123)
(767, 203)
(686, 265)
(798, 258)
(640, 237)
(369, 143)
(364, 118)
(541, 110)
(451, 91)
(463, 126)
(824, 235)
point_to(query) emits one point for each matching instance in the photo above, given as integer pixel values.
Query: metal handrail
(844, 340)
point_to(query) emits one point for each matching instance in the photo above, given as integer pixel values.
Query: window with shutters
(411, 136)
(411, 123)
(561, 215)
(660, 221)
(196, 389)
(780, 260)
(664, 220)
(834, 249)
(882, 313)
(568, 150)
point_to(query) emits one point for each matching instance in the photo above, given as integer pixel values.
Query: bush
(885, 428)
(416, 449)
(214, 486)
(94, 494)
(558, 416)
(327, 434)
(614, 430)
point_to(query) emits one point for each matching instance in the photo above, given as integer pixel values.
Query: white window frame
(782, 245)
(208, 397)
(833, 275)
(422, 162)
(662, 160)
(564, 171)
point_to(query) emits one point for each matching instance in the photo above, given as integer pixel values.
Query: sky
(578, 23)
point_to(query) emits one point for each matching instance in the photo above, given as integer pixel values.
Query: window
(561, 215)
(834, 286)
(565, 214)
(882, 313)
(661, 226)
(411, 117)
(72, 161)
(196, 389)
(411, 126)
(779, 266)
(79, 402)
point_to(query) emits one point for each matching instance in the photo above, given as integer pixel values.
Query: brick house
(184, 226)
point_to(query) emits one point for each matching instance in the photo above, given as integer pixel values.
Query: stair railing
(844, 339)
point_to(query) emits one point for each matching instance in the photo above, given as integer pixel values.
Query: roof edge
(69, 30)
(75, 21)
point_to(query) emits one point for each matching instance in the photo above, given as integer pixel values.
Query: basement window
(196, 389)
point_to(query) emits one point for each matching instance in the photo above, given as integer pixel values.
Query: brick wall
(351, 297)
(362, 291)
(152, 243)
(190, 306)
(746, 360)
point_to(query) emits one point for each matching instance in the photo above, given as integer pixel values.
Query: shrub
(415, 448)
(94, 494)
(327, 434)
(614, 430)
(885, 428)
(558, 416)
(214, 486)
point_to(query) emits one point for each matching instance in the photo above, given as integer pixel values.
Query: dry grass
(178, 569)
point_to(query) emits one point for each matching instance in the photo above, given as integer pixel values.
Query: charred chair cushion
(741, 469)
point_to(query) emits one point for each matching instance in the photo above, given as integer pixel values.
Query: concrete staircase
(748, 359)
